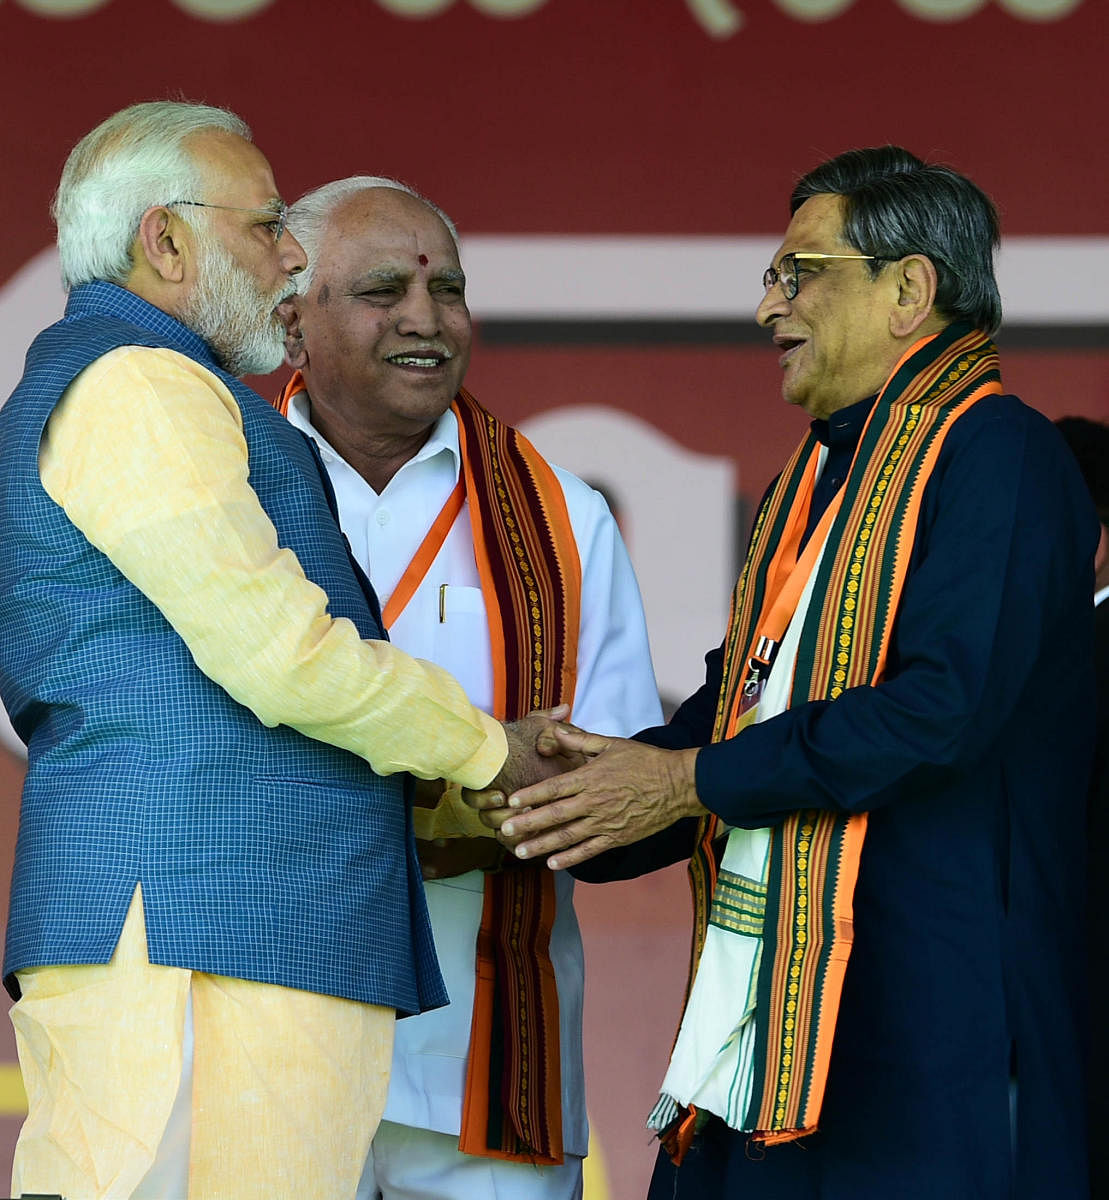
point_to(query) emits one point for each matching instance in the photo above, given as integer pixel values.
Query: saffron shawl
(800, 910)
(530, 574)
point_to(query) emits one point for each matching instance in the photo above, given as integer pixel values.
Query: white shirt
(616, 694)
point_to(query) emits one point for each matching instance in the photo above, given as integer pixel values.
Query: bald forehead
(386, 210)
(381, 233)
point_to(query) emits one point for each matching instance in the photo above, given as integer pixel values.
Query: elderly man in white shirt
(381, 340)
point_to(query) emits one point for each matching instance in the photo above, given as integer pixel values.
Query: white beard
(229, 311)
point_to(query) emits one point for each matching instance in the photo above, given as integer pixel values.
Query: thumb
(581, 741)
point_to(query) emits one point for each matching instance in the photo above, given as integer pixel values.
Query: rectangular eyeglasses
(278, 218)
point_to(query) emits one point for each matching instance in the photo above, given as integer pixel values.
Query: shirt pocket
(462, 644)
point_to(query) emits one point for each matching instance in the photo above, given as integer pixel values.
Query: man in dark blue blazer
(1089, 442)
(882, 780)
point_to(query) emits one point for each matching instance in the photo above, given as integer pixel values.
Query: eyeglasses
(787, 275)
(277, 223)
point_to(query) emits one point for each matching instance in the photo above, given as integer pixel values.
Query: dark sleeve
(1099, 778)
(690, 726)
(1001, 561)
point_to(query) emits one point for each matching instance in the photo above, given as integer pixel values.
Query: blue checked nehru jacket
(262, 854)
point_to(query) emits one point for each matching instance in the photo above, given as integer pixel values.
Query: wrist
(684, 767)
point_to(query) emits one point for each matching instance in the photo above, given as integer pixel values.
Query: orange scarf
(530, 573)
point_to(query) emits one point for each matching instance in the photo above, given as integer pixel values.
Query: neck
(149, 286)
(377, 457)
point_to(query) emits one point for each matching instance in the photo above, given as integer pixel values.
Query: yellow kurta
(146, 455)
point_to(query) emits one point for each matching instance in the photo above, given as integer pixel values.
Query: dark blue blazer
(262, 854)
(970, 760)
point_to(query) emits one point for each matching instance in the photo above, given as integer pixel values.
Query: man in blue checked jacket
(216, 908)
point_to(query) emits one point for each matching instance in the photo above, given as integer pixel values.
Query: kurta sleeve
(615, 693)
(145, 453)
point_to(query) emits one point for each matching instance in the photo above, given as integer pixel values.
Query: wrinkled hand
(624, 792)
(534, 753)
(447, 857)
(491, 804)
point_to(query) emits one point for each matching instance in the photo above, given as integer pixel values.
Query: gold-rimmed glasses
(787, 275)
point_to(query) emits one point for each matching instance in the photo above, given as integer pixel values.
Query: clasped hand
(611, 792)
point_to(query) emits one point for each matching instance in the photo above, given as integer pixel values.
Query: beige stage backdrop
(619, 171)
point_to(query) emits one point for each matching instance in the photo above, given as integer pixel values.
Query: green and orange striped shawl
(814, 855)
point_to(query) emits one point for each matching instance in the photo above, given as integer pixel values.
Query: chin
(794, 396)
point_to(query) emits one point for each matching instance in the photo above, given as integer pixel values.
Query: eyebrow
(788, 253)
(380, 275)
(274, 205)
(400, 274)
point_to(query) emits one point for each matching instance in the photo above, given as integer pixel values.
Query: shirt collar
(107, 299)
(442, 438)
(845, 426)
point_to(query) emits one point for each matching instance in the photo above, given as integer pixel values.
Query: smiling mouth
(787, 345)
(423, 360)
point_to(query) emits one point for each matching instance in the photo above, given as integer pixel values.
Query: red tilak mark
(423, 260)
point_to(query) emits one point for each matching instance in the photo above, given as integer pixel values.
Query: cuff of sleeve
(481, 768)
(452, 817)
(714, 777)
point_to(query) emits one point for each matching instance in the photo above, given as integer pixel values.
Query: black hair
(897, 204)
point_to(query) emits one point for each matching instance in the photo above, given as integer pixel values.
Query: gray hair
(132, 161)
(897, 204)
(309, 216)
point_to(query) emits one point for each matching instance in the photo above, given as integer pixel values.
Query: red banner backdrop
(658, 119)
(583, 116)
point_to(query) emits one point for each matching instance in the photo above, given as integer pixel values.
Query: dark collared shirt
(840, 433)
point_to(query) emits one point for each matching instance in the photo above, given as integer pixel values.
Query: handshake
(567, 795)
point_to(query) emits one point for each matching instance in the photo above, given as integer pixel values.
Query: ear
(916, 294)
(162, 244)
(296, 355)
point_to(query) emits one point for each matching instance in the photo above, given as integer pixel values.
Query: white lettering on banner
(942, 10)
(718, 18)
(432, 8)
(507, 8)
(61, 8)
(1040, 10)
(222, 10)
(721, 19)
(415, 8)
(956, 10)
(211, 10)
(813, 10)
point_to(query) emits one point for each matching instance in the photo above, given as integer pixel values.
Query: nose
(293, 258)
(418, 313)
(772, 306)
